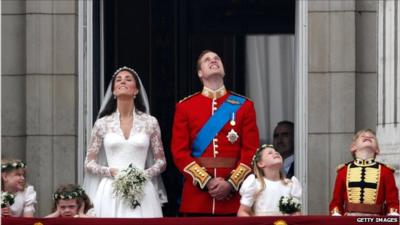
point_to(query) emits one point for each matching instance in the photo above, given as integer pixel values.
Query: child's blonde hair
(258, 172)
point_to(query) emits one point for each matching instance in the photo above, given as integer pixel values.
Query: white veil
(91, 182)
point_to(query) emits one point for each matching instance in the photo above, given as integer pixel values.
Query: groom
(213, 141)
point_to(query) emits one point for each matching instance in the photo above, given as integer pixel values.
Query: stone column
(388, 128)
(50, 97)
(366, 64)
(13, 79)
(331, 96)
(38, 92)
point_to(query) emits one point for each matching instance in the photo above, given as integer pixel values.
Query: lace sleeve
(157, 149)
(96, 141)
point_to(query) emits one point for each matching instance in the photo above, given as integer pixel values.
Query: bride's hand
(114, 172)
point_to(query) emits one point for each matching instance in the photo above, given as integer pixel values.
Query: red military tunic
(190, 116)
(365, 186)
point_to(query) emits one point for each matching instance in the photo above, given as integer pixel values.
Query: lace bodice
(145, 135)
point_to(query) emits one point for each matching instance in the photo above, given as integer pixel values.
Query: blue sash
(215, 124)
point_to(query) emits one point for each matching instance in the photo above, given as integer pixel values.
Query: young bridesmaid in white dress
(262, 191)
(13, 181)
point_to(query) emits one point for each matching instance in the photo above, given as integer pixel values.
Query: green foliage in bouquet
(129, 185)
(289, 205)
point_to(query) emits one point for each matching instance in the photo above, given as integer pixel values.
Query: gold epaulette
(238, 175)
(198, 173)
(240, 95)
(187, 97)
(340, 166)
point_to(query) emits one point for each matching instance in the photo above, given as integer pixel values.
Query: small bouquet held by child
(267, 192)
(18, 199)
(7, 199)
(129, 185)
(289, 205)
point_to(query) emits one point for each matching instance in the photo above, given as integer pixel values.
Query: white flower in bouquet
(289, 205)
(296, 201)
(7, 199)
(129, 185)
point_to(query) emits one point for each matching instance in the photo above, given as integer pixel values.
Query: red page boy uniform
(214, 135)
(364, 186)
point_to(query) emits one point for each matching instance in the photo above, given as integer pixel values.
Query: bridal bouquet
(7, 199)
(289, 205)
(129, 185)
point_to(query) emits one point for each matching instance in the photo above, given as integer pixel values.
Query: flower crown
(12, 165)
(77, 193)
(124, 68)
(257, 155)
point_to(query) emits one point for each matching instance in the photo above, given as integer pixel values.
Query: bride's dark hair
(111, 106)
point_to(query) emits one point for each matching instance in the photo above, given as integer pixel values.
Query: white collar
(287, 163)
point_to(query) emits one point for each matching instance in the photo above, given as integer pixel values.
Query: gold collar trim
(207, 92)
(367, 162)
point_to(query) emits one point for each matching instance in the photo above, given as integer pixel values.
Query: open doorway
(162, 39)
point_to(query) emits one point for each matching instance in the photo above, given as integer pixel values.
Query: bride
(125, 134)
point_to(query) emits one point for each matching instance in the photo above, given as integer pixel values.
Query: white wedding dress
(119, 153)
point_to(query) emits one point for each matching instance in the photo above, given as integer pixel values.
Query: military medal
(232, 135)
(233, 122)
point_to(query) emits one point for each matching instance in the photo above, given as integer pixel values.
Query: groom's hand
(221, 190)
(211, 184)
